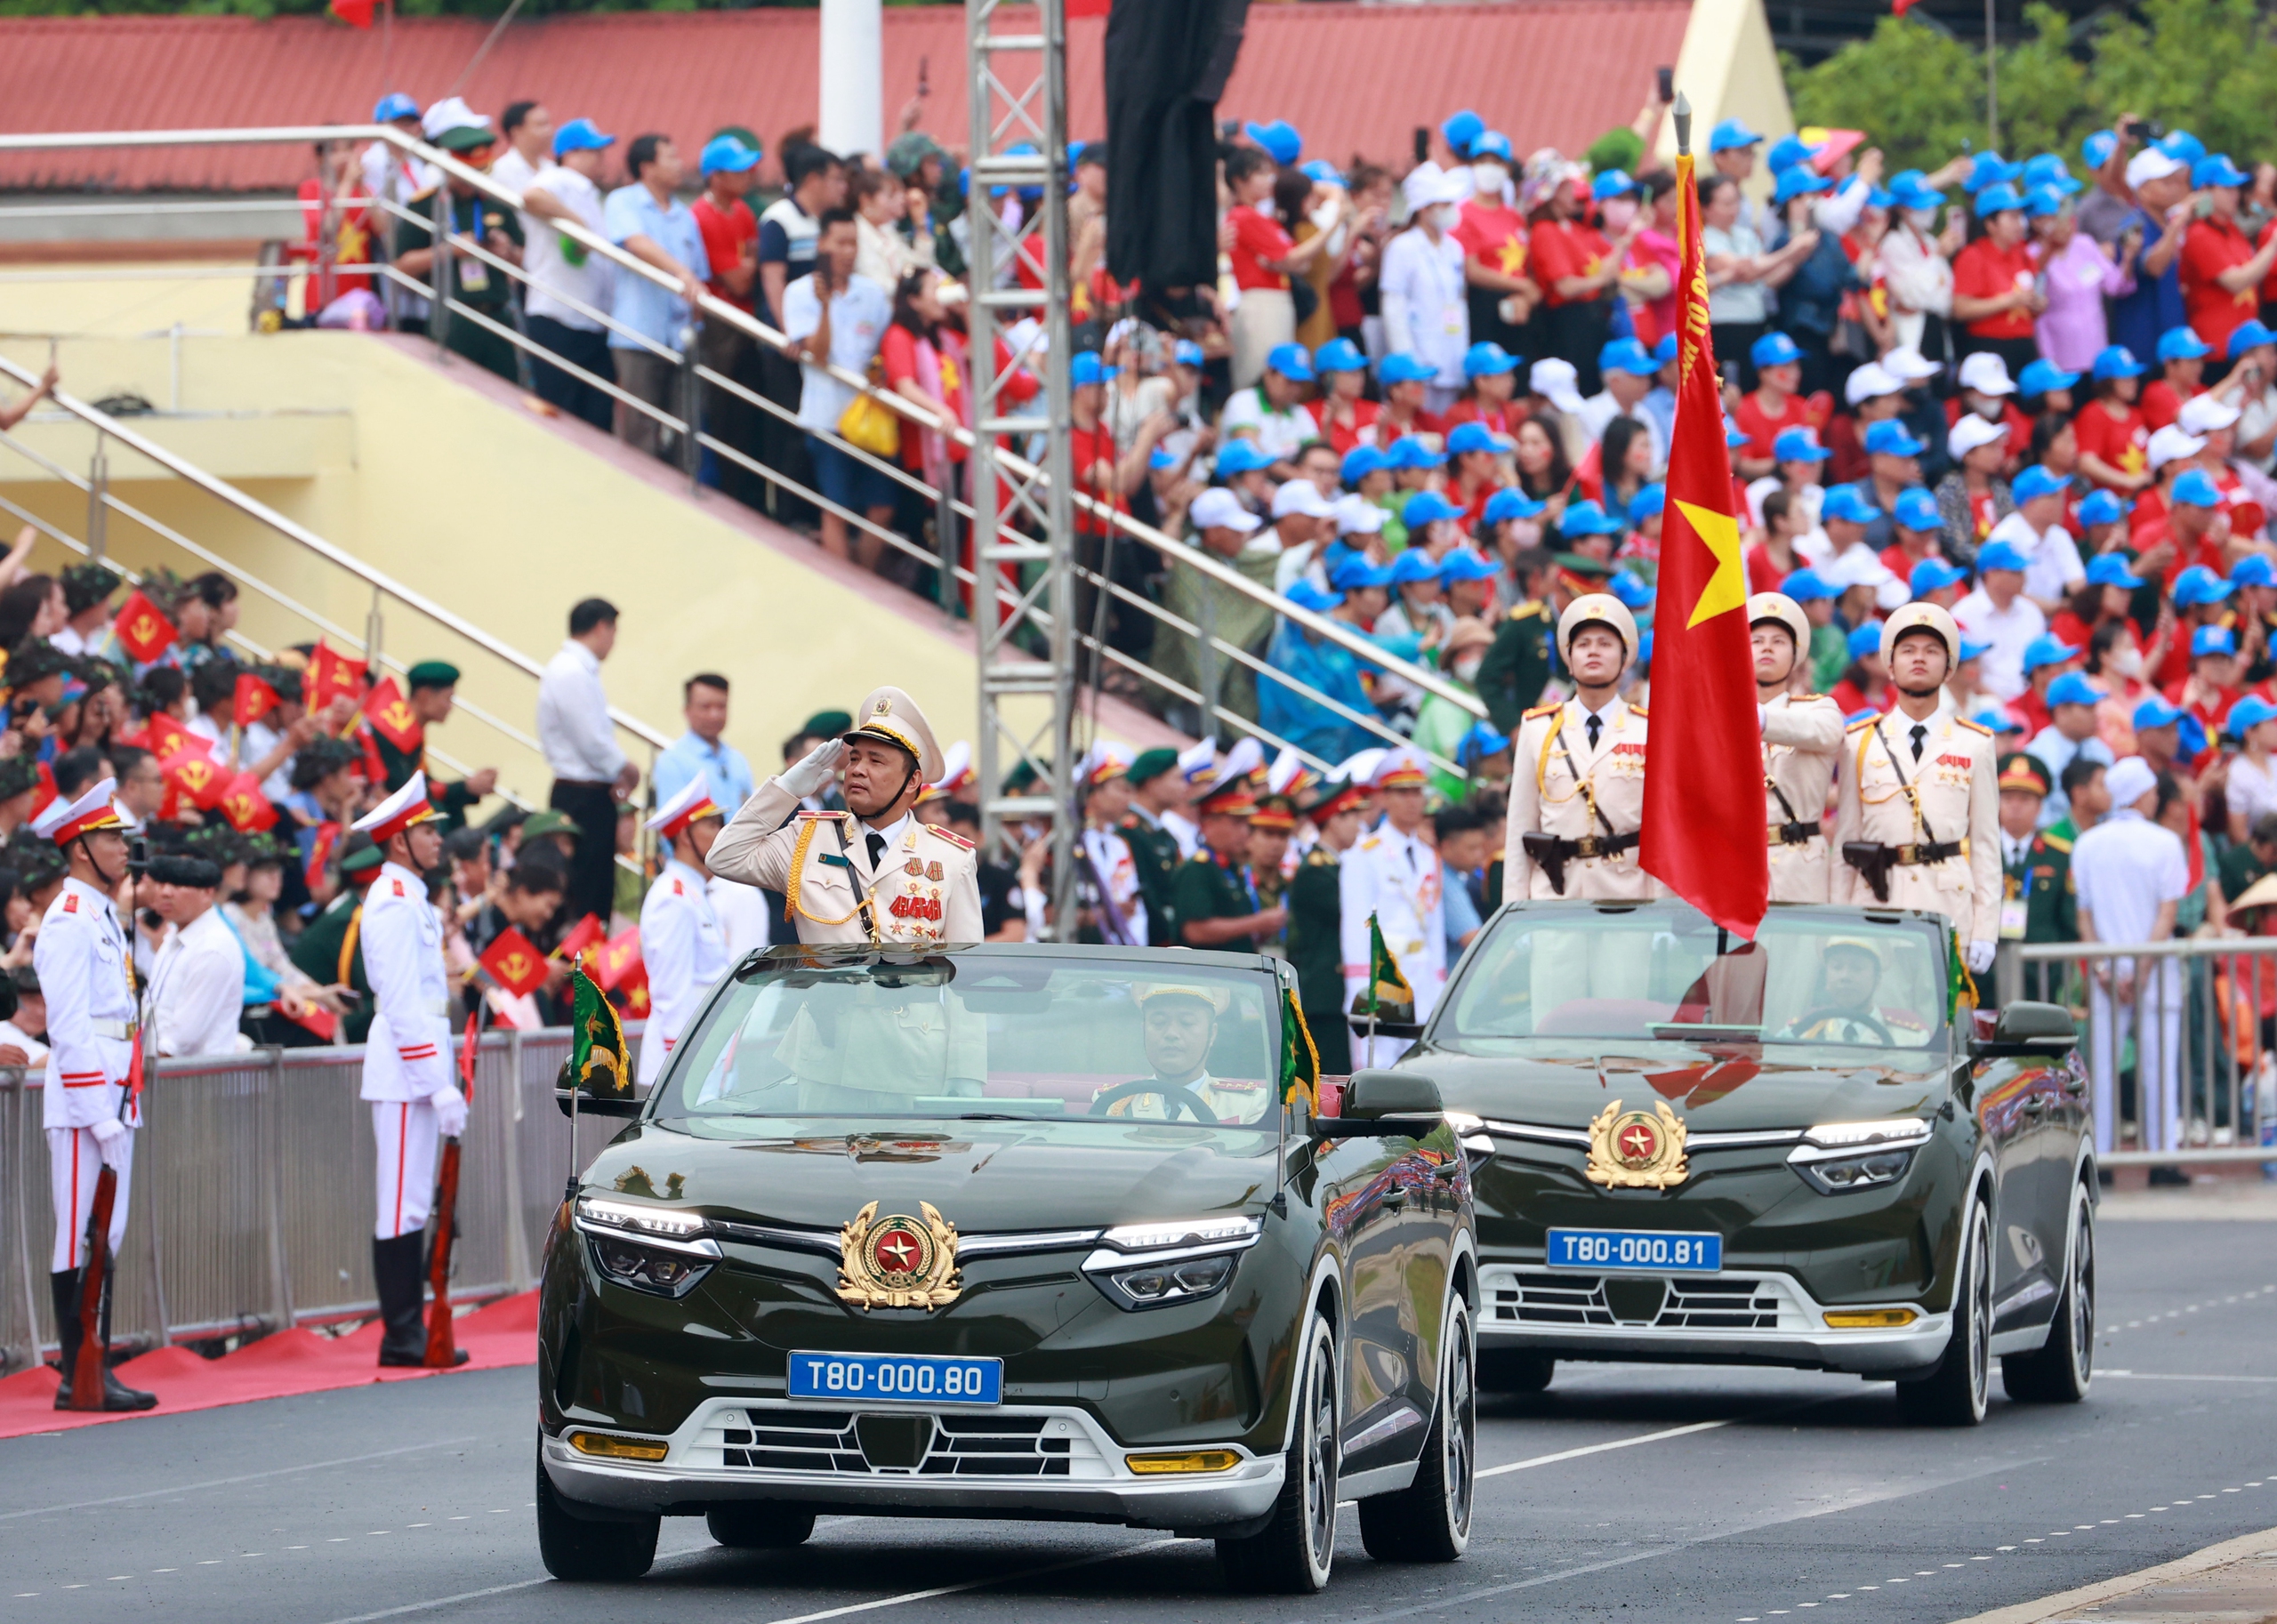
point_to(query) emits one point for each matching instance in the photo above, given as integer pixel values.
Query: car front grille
(899, 1444)
(1701, 1302)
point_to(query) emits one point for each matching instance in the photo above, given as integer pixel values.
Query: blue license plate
(1649, 1252)
(897, 1378)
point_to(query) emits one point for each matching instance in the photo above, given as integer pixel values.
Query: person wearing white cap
(1917, 818)
(1108, 882)
(1197, 770)
(2132, 874)
(1236, 538)
(2150, 250)
(1302, 518)
(1426, 304)
(89, 1105)
(1393, 874)
(1577, 787)
(1802, 736)
(874, 872)
(1973, 497)
(682, 945)
(407, 1076)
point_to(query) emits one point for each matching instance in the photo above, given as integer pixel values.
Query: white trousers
(2154, 1016)
(73, 1160)
(407, 1135)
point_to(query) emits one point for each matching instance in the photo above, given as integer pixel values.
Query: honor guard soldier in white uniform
(90, 1112)
(1577, 777)
(1396, 875)
(1919, 822)
(407, 1076)
(681, 942)
(1802, 736)
(874, 872)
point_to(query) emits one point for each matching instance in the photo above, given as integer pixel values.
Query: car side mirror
(2027, 1028)
(1384, 1105)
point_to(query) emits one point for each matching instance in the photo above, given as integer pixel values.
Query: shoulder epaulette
(1640, 711)
(2057, 841)
(1527, 610)
(1863, 721)
(1369, 842)
(803, 812)
(1551, 708)
(950, 836)
(1320, 857)
(1977, 728)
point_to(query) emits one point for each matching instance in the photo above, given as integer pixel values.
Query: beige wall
(1729, 70)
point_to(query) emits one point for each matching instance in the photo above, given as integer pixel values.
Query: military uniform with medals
(1517, 666)
(2040, 901)
(1317, 938)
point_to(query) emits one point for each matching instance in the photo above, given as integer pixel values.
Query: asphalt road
(1641, 1493)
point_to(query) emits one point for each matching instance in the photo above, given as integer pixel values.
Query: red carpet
(297, 1361)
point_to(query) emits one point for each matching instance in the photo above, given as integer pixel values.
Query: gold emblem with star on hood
(1636, 1150)
(898, 1261)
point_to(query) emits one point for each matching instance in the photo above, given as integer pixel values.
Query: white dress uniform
(1400, 879)
(81, 956)
(1117, 874)
(686, 953)
(407, 1054)
(1802, 736)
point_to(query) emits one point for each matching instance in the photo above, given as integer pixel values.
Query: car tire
(760, 1525)
(587, 1552)
(1292, 1554)
(2059, 1371)
(1429, 1520)
(1509, 1369)
(1955, 1392)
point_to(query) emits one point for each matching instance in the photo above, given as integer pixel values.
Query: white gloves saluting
(815, 769)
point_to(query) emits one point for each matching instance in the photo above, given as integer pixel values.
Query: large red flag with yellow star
(1704, 826)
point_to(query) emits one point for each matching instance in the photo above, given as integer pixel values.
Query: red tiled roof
(1354, 79)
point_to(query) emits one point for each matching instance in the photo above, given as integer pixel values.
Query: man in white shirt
(591, 774)
(832, 315)
(1426, 304)
(197, 988)
(529, 129)
(2053, 571)
(2132, 875)
(23, 1035)
(1998, 612)
(1270, 413)
(569, 284)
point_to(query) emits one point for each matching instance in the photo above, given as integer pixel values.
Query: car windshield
(971, 1034)
(1667, 972)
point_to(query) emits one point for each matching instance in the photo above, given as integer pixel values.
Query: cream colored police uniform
(1802, 737)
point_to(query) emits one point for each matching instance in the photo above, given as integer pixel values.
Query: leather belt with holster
(1796, 833)
(1551, 853)
(1873, 860)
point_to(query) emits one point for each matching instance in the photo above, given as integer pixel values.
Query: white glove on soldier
(450, 1111)
(111, 1140)
(815, 769)
(1980, 957)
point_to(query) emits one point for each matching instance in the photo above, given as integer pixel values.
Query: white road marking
(217, 1482)
(969, 1584)
(444, 1601)
(1599, 1449)
(2166, 1376)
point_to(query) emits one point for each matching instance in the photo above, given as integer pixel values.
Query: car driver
(1842, 1011)
(1178, 1024)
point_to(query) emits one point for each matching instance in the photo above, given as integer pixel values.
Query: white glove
(1980, 957)
(815, 769)
(111, 1140)
(450, 1111)
(1762, 718)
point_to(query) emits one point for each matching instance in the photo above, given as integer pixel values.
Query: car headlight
(648, 1249)
(1836, 1158)
(1151, 1266)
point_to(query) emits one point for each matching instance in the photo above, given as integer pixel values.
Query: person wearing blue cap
(564, 280)
(1310, 661)
(1996, 290)
(2053, 569)
(729, 165)
(2044, 386)
(1271, 412)
(390, 174)
(1412, 626)
(1934, 581)
(1340, 413)
(2222, 271)
(1264, 258)
(1490, 385)
(1493, 235)
(1997, 611)
(1776, 401)
(2070, 735)
(1627, 370)
(1406, 380)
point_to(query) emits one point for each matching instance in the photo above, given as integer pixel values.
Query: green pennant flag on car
(1386, 996)
(597, 1064)
(1300, 1059)
(1961, 990)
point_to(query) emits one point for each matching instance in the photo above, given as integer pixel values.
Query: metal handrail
(1336, 631)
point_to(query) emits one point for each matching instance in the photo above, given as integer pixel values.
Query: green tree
(2206, 66)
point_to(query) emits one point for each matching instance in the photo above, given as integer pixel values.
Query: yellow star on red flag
(1727, 589)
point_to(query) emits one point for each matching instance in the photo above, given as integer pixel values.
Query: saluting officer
(1396, 875)
(873, 872)
(1918, 806)
(407, 1076)
(1577, 780)
(2039, 901)
(1802, 736)
(1315, 900)
(89, 1112)
(682, 945)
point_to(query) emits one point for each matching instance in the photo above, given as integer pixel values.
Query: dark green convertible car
(1808, 1151)
(1018, 1232)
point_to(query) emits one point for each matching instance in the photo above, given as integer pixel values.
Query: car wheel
(575, 1549)
(1509, 1370)
(1429, 1520)
(1954, 1394)
(1290, 1556)
(2058, 1372)
(760, 1525)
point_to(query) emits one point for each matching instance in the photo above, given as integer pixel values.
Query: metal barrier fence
(252, 1198)
(2179, 1038)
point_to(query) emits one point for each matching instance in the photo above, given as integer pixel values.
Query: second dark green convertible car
(1015, 1231)
(1809, 1151)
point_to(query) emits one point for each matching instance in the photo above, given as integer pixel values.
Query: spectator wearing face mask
(1915, 262)
(1426, 309)
(1264, 258)
(1502, 296)
(1577, 265)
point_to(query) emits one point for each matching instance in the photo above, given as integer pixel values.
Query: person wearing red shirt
(1774, 405)
(1494, 248)
(2198, 534)
(2221, 272)
(2210, 689)
(1649, 270)
(1490, 387)
(1405, 377)
(2115, 442)
(1996, 292)
(1263, 257)
(1576, 267)
(1771, 559)
(341, 187)
(2182, 365)
(1344, 420)
(1986, 390)
(731, 249)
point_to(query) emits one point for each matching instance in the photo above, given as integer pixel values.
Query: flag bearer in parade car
(1802, 734)
(407, 1074)
(1394, 877)
(90, 1103)
(1316, 898)
(682, 945)
(1577, 780)
(1917, 822)
(2039, 901)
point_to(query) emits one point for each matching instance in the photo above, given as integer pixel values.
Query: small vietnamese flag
(253, 700)
(43, 792)
(585, 933)
(245, 806)
(391, 717)
(192, 772)
(355, 13)
(513, 963)
(142, 629)
(618, 960)
(331, 675)
(1702, 829)
(321, 846)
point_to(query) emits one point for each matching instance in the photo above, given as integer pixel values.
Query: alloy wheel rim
(1463, 1424)
(1320, 1461)
(2083, 1294)
(1980, 1312)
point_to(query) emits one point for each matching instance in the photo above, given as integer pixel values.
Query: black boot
(63, 1290)
(403, 1319)
(117, 1393)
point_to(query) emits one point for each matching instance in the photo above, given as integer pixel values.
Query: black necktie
(878, 841)
(1594, 725)
(1920, 732)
